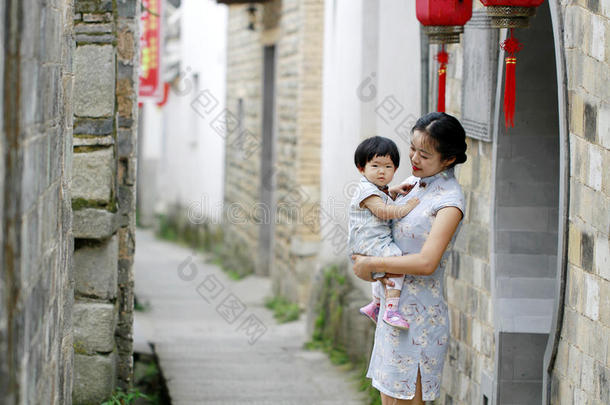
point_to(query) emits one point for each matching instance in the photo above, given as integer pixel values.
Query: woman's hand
(363, 267)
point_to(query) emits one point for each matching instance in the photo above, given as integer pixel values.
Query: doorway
(267, 163)
(527, 201)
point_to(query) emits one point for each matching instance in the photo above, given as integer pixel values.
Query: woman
(406, 366)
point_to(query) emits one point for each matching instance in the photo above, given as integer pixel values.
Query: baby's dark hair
(376, 146)
(446, 133)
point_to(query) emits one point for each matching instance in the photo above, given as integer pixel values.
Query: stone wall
(468, 279)
(468, 284)
(103, 195)
(294, 27)
(582, 367)
(36, 281)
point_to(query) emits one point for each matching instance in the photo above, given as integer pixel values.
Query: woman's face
(425, 160)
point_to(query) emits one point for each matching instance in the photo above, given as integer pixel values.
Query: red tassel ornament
(166, 88)
(443, 59)
(511, 46)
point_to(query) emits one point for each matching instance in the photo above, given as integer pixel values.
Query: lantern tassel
(511, 46)
(509, 92)
(443, 58)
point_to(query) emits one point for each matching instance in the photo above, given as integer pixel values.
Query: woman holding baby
(406, 365)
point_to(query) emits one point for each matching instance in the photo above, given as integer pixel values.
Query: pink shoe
(395, 319)
(371, 311)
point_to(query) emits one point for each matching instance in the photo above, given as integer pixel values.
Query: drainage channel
(149, 379)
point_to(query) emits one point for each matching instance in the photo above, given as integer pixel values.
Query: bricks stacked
(103, 195)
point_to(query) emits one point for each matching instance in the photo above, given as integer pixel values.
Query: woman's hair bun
(460, 158)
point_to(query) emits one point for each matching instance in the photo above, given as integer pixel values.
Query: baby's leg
(394, 291)
(377, 291)
(371, 310)
(392, 316)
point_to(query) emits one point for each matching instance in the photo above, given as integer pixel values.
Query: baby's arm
(383, 211)
(401, 189)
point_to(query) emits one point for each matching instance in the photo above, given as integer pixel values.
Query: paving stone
(214, 353)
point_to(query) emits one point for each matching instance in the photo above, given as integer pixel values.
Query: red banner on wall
(150, 51)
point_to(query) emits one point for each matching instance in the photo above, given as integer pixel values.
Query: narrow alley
(205, 353)
(135, 135)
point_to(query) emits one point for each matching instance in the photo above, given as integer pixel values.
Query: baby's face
(379, 170)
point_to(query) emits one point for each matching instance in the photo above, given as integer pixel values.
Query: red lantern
(443, 22)
(510, 14)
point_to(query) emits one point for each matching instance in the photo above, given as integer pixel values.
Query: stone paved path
(217, 343)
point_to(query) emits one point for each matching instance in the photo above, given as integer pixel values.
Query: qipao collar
(445, 174)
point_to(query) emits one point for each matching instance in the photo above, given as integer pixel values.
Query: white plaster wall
(191, 165)
(399, 76)
(341, 115)
(371, 52)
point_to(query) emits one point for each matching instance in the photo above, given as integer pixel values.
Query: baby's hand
(401, 189)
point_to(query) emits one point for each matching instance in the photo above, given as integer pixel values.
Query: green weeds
(283, 310)
(121, 397)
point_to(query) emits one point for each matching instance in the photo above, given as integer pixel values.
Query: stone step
(524, 315)
(525, 287)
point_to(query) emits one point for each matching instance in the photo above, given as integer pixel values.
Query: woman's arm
(423, 263)
(383, 211)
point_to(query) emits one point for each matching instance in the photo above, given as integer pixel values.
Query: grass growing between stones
(140, 306)
(327, 328)
(121, 397)
(149, 384)
(283, 310)
(148, 378)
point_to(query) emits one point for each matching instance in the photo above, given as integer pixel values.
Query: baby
(371, 210)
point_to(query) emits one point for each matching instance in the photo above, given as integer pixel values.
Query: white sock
(392, 303)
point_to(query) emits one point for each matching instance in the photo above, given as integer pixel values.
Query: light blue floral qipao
(397, 353)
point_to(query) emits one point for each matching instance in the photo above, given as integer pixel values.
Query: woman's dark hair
(446, 133)
(376, 146)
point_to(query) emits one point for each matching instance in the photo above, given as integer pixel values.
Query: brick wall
(242, 176)
(299, 99)
(297, 36)
(582, 367)
(468, 283)
(468, 280)
(36, 281)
